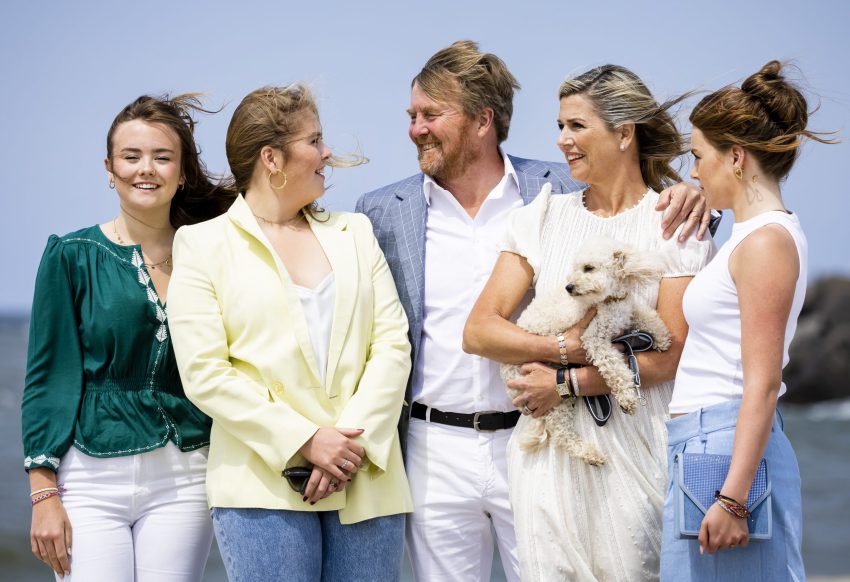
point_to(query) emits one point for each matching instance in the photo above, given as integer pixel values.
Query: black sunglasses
(297, 477)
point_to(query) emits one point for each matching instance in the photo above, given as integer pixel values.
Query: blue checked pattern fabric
(698, 476)
(398, 213)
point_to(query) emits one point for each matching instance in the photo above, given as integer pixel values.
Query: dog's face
(604, 268)
(595, 278)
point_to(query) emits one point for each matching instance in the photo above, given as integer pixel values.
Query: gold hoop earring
(275, 173)
(739, 173)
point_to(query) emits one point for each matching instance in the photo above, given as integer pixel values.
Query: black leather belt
(481, 421)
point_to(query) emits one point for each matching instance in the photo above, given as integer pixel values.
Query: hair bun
(782, 101)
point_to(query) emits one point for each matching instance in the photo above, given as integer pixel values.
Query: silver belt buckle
(475, 420)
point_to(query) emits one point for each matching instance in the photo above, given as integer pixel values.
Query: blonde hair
(619, 97)
(272, 116)
(476, 80)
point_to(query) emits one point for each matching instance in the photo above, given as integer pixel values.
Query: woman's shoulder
(205, 229)
(345, 220)
(81, 240)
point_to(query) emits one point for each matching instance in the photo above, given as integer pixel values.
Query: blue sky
(68, 67)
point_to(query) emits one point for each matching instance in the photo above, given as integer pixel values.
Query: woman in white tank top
(742, 312)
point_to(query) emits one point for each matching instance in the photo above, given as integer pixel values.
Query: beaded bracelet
(34, 493)
(562, 349)
(731, 506)
(44, 496)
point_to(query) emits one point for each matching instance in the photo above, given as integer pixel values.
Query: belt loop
(702, 436)
(427, 414)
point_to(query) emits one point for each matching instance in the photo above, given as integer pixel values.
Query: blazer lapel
(240, 213)
(339, 247)
(410, 231)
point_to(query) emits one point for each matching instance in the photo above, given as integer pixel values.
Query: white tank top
(318, 306)
(710, 370)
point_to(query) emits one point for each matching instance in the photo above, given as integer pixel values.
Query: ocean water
(820, 434)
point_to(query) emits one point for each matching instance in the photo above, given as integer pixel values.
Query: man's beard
(447, 166)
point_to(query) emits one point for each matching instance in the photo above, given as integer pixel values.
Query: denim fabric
(265, 545)
(712, 430)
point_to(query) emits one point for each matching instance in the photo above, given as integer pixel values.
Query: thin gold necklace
(166, 261)
(292, 222)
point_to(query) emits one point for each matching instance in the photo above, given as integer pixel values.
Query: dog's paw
(628, 403)
(594, 459)
(663, 343)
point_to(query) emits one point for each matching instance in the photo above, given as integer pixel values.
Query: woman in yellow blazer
(289, 333)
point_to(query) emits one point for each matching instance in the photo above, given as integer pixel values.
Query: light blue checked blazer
(398, 213)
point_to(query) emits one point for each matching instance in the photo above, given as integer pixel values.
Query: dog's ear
(639, 268)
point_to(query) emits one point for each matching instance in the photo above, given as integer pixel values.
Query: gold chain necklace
(291, 223)
(166, 261)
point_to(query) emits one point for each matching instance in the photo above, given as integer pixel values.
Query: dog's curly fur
(603, 275)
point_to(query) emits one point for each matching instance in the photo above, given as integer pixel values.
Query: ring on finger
(344, 465)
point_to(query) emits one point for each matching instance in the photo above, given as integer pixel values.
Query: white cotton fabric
(318, 304)
(710, 369)
(460, 252)
(137, 518)
(574, 521)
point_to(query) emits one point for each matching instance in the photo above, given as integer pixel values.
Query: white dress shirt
(460, 253)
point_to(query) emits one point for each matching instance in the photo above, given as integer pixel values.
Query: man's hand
(684, 203)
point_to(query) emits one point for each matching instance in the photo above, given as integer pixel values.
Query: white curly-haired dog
(603, 274)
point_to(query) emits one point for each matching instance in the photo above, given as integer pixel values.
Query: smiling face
(442, 134)
(591, 149)
(145, 164)
(305, 160)
(714, 171)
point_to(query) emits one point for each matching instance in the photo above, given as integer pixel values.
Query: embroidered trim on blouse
(41, 460)
(145, 280)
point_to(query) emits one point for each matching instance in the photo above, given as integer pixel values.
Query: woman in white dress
(575, 521)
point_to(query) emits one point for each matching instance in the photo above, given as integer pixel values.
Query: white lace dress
(574, 521)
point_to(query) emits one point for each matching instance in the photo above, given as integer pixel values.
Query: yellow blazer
(243, 349)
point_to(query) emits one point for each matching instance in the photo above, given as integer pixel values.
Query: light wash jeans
(139, 518)
(265, 545)
(712, 430)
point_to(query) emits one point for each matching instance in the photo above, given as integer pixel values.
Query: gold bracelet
(562, 349)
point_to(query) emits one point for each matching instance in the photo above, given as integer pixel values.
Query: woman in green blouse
(104, 412)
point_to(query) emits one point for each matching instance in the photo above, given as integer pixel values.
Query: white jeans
(459, 481)
(141, 518)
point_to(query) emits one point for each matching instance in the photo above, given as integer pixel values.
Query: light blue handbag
(696, 478)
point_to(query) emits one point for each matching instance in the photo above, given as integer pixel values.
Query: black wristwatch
(562, 382)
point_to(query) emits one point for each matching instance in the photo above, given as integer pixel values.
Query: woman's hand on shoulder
(684, 203)
(333, 450)
(50, 535)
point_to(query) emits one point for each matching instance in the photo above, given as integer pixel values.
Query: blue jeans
(712, 430)
(263, 545)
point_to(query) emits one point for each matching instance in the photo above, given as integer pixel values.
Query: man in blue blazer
(441, 231)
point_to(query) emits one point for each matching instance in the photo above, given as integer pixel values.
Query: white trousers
(459, 481)
(140, 518)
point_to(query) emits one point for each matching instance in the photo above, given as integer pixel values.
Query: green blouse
(101, 373)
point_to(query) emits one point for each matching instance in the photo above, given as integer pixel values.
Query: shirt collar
(430, 185)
